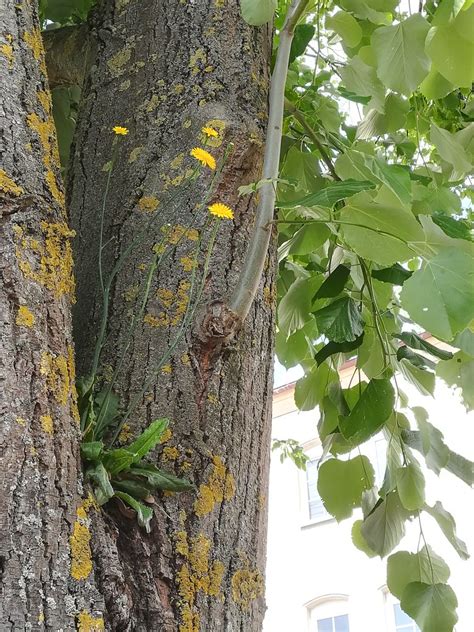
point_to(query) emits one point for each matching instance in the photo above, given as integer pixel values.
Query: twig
(246, 288)
(310, 132)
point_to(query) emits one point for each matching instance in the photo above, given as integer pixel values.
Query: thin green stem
(186, 320)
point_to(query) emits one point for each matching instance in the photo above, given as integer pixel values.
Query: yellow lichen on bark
(34, 41)
(46, 132)
(24, 317)
(47, 424)
(7, 51)
(59, 374)
(117, 62)
(220, 486)
(247, 585)
(197, 573)
(170, 453)
(81, 555)
(71, 365)
(148, 204)
(87, 623)
(7, 185)
(53, 263)
(44, 98)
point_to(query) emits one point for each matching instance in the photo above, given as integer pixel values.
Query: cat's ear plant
(121, 472)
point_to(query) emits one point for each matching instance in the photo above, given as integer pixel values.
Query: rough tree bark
(44, 538)
(165, 68)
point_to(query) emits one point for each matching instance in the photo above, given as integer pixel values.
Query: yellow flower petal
(209, 131)
(120, 131)
(221, 210)
(204, 157)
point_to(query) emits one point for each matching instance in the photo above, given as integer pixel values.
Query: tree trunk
(45, 558)
(163, 69)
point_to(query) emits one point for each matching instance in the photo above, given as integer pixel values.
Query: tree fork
(69, 51)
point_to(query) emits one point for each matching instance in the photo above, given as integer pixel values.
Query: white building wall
(310, 561)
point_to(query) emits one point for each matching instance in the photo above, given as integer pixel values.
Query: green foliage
(341, 484)
(64, 12)
(433, 607)
(121, 472)
(257, 12)
(291, 449)
(375, 237)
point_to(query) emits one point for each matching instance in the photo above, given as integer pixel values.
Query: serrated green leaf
(346, 26)
(340, 321)
(147, 440)
(385, 526)
(334, 283)
(117, 460)
(372, 409)
(448, 526)
(257, 12)
(452, 151)
(459, 372)
(440, 296)
(396, 274)
(91, 450)
(341, 483)
(358, 165)
(433, 607)
(294, 310)
(380, 231)
(160, 479)
(361, 79)
(328, 196)
(450, 47)
(435, 86)
(411, 486)
(144, 513)
(456, 228)
(417, 342)
(337, 347)
(100, 476)
(402, 63)
(302, 37)
(423, 380)
(310, 389)
(425, 566)
(359, 541)
(136, 489)
(307, 239)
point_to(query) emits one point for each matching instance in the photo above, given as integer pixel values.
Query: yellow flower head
(120, 131)
(204, 157)
(221, 210)
(209, 131)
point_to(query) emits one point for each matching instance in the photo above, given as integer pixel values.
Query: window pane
(341, 623)
(325, 625)
(402, 620)
(315, 504)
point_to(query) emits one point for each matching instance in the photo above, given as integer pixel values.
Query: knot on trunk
(219, 324)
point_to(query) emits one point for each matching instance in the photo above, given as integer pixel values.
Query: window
(316, 508)
(403, 623)
(334, 624)
(328, 613)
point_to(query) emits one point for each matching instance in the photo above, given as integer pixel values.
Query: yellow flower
(204, 157)
(120, 131)
(221, 210)
(209, 131)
